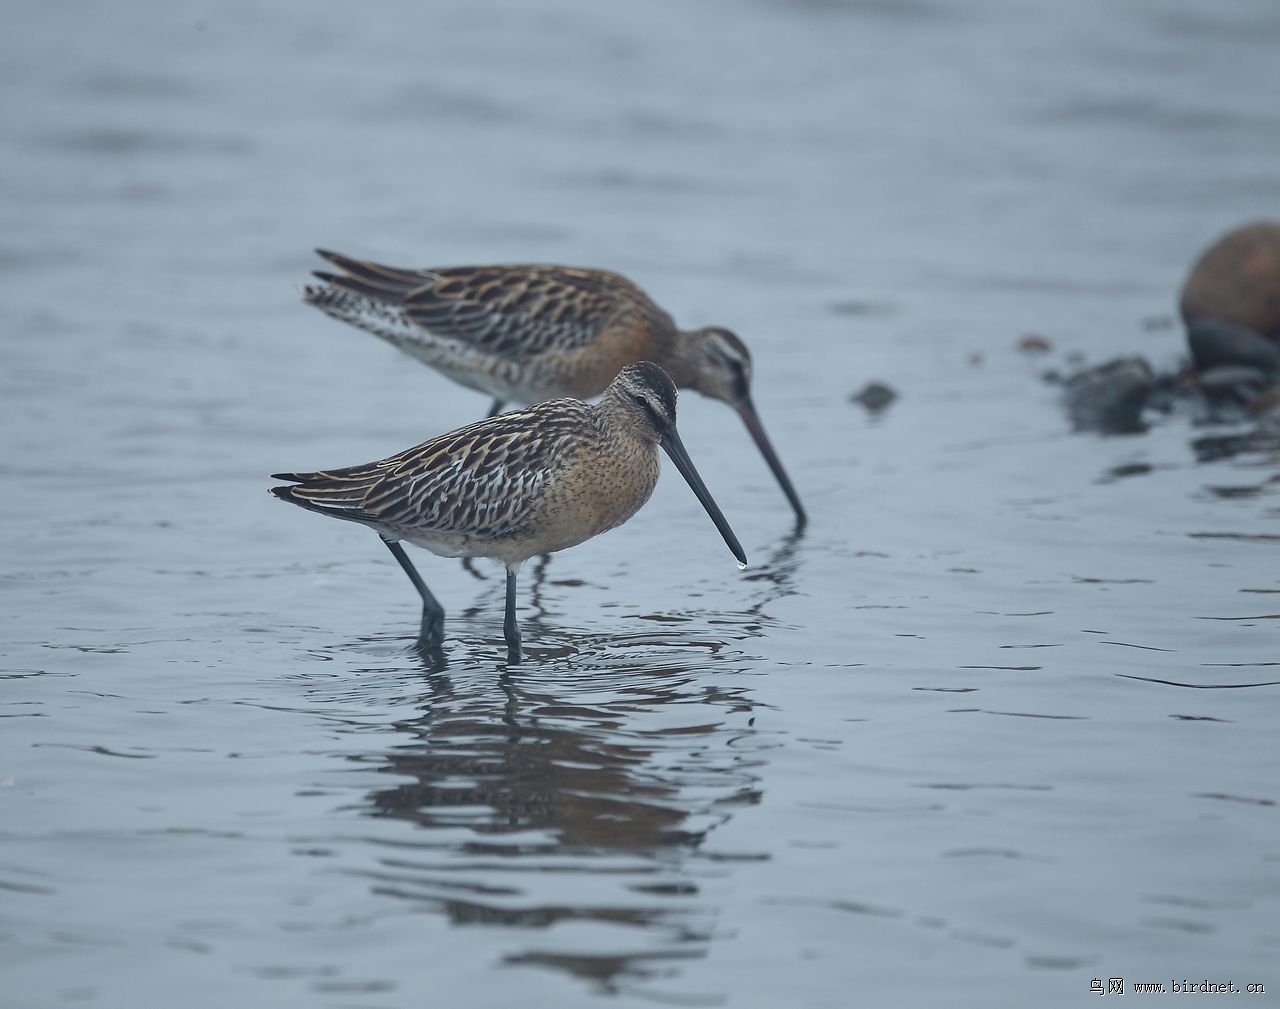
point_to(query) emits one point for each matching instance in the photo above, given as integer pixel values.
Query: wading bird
(513, 486)
(528, 333)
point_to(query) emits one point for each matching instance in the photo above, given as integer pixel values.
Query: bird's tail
(381, 319)
(335, 493)
(391, 284)
(370, 297)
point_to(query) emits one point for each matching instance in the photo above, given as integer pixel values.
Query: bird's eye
(644, 404)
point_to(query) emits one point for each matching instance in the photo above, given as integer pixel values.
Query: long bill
(675, 449)
(747, 412)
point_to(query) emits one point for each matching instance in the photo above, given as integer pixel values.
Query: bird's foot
(431, 634)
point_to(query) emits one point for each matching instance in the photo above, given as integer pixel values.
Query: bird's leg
(511, 629)
(496, 408)
(431, 635)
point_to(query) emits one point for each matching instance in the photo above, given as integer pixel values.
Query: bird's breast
(599, 488)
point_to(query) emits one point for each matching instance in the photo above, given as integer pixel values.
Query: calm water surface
(1002, 720)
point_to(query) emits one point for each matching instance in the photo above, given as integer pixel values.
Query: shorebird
(528, 333)
(516, 485)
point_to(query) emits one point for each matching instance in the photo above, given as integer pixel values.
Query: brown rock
(1237, 280)
(1034, 343)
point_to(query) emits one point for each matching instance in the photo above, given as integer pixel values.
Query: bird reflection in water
(579, 795)
(583, 791)
(776, 576)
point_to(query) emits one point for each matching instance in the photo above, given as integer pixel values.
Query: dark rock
(1265, 437)
(1110, 397)
(1170, 390)
(875, 396)
(1234, 384)
(1237, 280)
(1215, 343)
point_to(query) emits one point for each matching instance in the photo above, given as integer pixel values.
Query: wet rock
(1265, 437)
(875, 396)
(1216, 344)
(1172, 390)
(1234, 384)
(1267, 405)
(1237, 280)
(1110, 397)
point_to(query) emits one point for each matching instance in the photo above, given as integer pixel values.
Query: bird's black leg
(496, 408)
(431, 634)
(511, 629)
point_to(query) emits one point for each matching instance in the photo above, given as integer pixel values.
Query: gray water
(1001, 721)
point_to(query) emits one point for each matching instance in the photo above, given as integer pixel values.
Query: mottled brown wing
(520, 311)
(481, 480)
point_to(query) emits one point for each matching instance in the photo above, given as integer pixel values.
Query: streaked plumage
(525, 333)
(509, 487)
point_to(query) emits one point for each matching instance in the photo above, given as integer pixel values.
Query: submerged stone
(1234, 383)
(1110, 397)
(1215, 343)
(875, 396)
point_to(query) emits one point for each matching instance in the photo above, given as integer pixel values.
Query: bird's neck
(681, 362)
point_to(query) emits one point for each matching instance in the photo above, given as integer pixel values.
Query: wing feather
(513, 311)
(482, 480)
